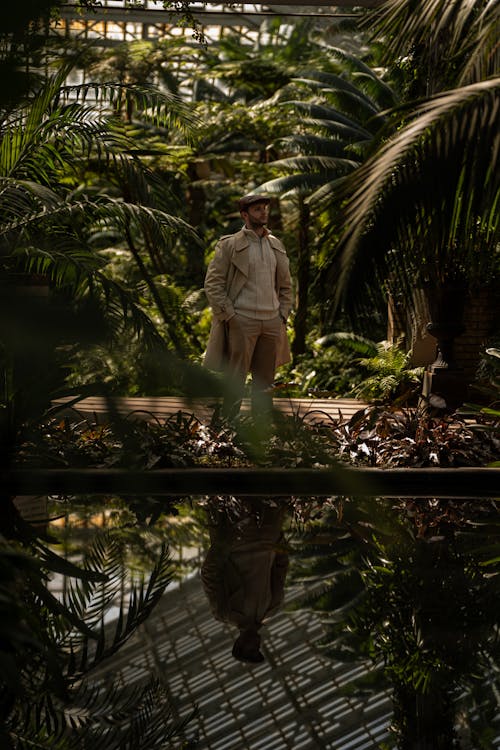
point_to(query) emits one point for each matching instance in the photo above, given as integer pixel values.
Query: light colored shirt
(258, 299)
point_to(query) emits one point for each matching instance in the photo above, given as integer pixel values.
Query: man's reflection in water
(245, 569)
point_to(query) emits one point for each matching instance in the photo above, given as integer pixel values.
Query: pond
(321, 623)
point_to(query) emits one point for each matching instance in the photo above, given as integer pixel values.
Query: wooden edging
(462, 483)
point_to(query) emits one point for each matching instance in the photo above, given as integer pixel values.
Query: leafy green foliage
(424, 236)
(391, 379)
(338, 120)
(486, 415)
(71, 185)
(442, 45)
(414, 598)
(54, 227)
(52, 645)
(73, 191)
(345, 364)
(423, 206)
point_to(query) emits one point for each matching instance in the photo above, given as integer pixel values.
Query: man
(249, 289)
(245, 569)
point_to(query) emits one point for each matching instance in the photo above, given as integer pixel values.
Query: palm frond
(483, 59)
(350, 99)
(134, 608)
(320, 78)
(122, 309)
(19, 197)
(102, 716)
(397, 21)
(465, 33)
(125, 718)
(103, 211)
(90, 599)
(308, 143)
(297, 183)
(326, 195)
(445, 211)
(350, 342)
(58, 125)
(339, 130)
(161, 107)
(315, 163)
(323, 114)
(377, 90)
(352, 62)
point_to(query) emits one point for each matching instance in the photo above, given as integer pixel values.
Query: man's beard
(257, 223)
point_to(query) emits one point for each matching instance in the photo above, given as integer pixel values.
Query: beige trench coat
(244, 572)
(226, 275)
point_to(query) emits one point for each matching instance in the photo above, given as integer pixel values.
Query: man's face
(256, 215)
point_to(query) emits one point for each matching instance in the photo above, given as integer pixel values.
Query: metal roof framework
(115, 22)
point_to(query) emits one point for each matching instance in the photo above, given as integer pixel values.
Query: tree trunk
(423, 721)
(196, 202)
(303, 273)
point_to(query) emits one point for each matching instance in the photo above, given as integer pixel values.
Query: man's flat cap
(247, 200)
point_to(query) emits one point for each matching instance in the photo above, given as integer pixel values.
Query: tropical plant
(331, 366)
(53, 225)
(415, 600)
(485, 416)
(421, 212)
(444, 233)
(340, 113)
(390, 376)
(442, 46)
(53, 643)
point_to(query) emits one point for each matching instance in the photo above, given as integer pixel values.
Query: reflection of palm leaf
(136, 600)
(77, 633)
(425, 608)
(110, 718)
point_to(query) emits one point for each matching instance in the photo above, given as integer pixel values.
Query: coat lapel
(240, 254)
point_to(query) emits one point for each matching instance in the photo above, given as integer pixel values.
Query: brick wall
(481, 320)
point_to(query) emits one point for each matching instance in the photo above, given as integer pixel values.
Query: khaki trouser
(252, 348)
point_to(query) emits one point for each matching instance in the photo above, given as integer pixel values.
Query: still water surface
(341, 623)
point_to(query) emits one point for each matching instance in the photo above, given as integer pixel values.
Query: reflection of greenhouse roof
(297, 699)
